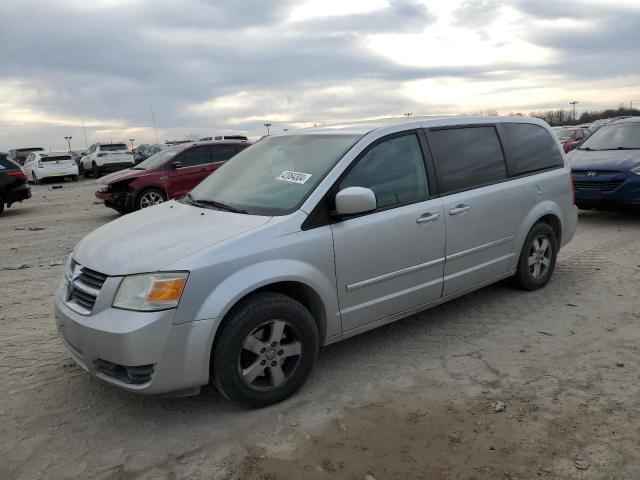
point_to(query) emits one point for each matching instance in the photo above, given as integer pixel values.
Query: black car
(13, 183)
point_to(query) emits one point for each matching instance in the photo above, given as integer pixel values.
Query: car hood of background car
(125, 174)
(604, 160)
(152, 238)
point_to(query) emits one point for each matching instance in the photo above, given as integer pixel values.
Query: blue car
(606, 167)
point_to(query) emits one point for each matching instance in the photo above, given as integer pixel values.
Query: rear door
(186, 170)
(389, 260)
(219, 155)
(482, 209)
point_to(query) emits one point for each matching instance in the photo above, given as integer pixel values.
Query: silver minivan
(308, 238)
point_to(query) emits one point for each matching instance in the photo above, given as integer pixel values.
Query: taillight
(573, 188)
(18, 174)
(40, 164)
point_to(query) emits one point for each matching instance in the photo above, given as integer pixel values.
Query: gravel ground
(415, 399)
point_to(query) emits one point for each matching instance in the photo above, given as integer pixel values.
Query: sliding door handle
(459, 209)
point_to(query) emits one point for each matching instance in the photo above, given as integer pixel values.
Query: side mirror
(176, 165)
(353, 200)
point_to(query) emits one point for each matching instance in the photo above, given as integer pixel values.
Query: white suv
(105, 157)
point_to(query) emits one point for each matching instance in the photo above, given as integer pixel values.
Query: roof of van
(367, 126)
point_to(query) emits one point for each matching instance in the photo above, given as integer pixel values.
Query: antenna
(153, 120)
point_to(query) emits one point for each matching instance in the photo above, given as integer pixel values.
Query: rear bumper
(18, 194)
(63, 172)
(115, 167)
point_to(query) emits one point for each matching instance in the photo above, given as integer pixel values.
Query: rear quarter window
(533, 149)
(467, 157)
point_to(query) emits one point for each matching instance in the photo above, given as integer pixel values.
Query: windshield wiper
(214, 204)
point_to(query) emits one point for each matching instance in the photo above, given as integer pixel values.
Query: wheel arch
(546, 212)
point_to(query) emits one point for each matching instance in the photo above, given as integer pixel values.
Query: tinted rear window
(532, 147)
(58, 158)
(467, 157)
(113, 147)
(6, 164)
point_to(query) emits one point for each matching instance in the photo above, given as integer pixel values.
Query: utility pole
(573, 104)
(153, 120)
(68, 139)
(84, 132)
(267, 125)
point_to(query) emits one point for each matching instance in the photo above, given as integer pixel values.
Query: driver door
(186, 170)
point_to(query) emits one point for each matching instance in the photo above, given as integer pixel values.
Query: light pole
(573, 104)
(267, 125)
(68, 139)
(132, 140)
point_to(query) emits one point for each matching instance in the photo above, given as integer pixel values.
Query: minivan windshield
(621, 136)
(161, 157)
(274, 175)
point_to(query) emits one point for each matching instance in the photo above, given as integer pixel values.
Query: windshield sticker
(294, 177)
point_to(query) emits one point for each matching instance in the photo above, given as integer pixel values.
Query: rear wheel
(74, 178)
(150, 197)
(1, 207)
(538, 258)
(266, 350)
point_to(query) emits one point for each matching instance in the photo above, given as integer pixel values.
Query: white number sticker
(293, 177)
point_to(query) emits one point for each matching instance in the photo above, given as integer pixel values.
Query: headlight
(636, 170)
(103, 188)
(148, 292)
(68, 271)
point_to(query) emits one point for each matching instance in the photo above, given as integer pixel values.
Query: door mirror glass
(353, 200)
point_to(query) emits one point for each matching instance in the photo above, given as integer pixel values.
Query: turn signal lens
(151, 291)
(167, 290)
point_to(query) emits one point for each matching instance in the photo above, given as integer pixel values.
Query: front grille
(132, 375)
(600, 186)
(83, 287)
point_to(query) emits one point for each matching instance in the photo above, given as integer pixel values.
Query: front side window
(276, 174)
(622, 136)
(467, 157)
(393, 169)
(533, 149)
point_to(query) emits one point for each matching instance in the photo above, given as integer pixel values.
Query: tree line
(561, 117)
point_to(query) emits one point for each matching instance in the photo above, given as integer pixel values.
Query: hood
(150, 239)
(126, 174)
(605, 160)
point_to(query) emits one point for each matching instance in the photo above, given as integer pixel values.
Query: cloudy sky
(210, 67)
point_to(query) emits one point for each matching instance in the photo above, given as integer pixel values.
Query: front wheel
(97, 173)
(538, 258)
(149, 198)
(266, 350)
(34, 179)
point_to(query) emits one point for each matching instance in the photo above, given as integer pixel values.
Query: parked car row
(13, 182)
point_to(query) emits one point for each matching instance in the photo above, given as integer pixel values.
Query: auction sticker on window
(294, 177)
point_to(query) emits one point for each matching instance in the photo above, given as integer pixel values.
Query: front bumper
(615, 189)
(142, 352)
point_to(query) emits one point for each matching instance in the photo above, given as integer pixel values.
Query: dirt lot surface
(413, 400)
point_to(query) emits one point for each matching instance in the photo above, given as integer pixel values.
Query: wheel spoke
(536, 270)
(277, 329)
(532, 261)
(253, 371)
(546, 262)
(291, 349)
(544, 244)
(277, 375)
(252, 344)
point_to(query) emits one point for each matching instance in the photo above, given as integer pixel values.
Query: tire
(538, 258)
(96, 170)
(82, 171)
(34, 179)
(74, 178)
(276, 365)
(149, 197)
(1, 207)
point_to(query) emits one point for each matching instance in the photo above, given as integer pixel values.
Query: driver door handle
(427, 217)
(459, 209)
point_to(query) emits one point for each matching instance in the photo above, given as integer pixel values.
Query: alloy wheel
(269, 356)
(149, 199)
(539, 256)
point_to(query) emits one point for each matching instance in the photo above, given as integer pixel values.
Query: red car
(170, 173)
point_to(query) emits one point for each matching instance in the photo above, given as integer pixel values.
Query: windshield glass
(623, 136)
(113, 147)
(161, 157)
(274, 175)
